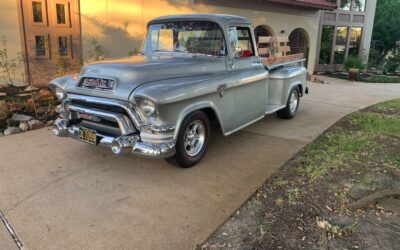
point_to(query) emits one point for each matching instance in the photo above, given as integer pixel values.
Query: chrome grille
(106, 121)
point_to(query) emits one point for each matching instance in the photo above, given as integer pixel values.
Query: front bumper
(125, 144)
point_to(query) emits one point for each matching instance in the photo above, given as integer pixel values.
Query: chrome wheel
(194, 137)
(294, 100)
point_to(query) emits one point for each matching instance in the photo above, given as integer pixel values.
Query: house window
(40, 46)
(345, 4)
(60, 9)
(37, 12)
(340, 46)
(359, 5)
(63, 45)
(355, 40)
(326, 44)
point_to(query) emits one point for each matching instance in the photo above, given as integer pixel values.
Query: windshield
(197, 37)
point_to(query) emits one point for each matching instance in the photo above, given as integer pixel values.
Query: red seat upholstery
(246, 53)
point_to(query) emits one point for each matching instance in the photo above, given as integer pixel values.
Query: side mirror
(238, 52)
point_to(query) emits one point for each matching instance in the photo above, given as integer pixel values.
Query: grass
(369, 79)
(373, 123)
(331, 151)
(379, 79)
(305, 204)
(388, 105)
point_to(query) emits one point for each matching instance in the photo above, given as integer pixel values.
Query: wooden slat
(264, 39)
(283, 59)
(263, 51)
(284, 49)
(282, 39)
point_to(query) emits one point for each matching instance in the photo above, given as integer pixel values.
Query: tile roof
(316, 4)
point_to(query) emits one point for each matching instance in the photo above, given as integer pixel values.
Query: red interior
(246, 53)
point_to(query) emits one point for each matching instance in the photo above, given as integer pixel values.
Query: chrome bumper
(125, 144)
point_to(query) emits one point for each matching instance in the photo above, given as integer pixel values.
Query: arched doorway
(262, 30)
(299, 43)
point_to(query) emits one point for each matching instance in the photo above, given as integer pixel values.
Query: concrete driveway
(58, 193)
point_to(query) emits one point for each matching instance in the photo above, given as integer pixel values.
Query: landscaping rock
(49, 123)
(24, 126)
(35, 124)
(4, 111)
(20, 118)
(58, 109)
(1, 134)
(318, 80)
(16, 119)
(11, 131)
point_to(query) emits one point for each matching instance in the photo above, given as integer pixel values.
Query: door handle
(221, 89)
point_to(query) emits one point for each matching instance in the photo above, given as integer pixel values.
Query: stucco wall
(119, 25)
(9, 28)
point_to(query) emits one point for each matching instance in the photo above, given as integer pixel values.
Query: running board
(273, 108)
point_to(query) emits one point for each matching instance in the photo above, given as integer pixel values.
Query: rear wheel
(192, 140)
(292, 105)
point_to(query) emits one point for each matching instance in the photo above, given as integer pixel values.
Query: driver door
(249, 77)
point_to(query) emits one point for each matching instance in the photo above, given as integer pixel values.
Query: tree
(386, 25)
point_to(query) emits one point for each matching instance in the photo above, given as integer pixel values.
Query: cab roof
(221, 19)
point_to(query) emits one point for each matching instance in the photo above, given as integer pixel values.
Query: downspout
(25, 44)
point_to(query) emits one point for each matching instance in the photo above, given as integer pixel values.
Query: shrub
(353, 63)
(392, 64)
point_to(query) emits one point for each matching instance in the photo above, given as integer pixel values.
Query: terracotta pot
(353, 74)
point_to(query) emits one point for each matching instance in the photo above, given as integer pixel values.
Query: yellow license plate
(88, 135)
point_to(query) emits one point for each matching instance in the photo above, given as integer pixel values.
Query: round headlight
(60, 94)
(147, 107)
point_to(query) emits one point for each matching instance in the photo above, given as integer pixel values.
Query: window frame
(353, 8)
(146, 49)
(346, 42)
(44, 13)
(47, 43)
(251, 38)
(67, 13)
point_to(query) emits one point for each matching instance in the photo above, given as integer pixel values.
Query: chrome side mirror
(238, 52)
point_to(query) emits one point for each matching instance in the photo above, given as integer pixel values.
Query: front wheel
(292, 105)
(192, 140)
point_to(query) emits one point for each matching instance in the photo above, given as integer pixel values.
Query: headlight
(146, 106)
(60, 94)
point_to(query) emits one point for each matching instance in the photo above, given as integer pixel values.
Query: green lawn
(369, 79)
(305, 204)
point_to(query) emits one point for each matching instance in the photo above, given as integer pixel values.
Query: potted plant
(353, 66)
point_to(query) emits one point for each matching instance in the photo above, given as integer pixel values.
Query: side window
(241, 42)
(40, 46)
(37, 12)
(63, 45)
(60, 9)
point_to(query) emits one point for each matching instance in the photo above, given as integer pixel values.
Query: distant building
(52, 33)
(345, 31)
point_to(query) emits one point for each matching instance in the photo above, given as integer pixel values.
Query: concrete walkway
(58, 193)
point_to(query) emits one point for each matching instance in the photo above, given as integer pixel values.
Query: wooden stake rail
(275, 50)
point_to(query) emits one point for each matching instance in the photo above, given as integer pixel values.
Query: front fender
(176, 98)
(195, 107)
(61, 82)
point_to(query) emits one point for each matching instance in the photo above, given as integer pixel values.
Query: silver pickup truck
(192, 70)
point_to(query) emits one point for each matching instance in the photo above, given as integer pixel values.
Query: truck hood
(133, 72)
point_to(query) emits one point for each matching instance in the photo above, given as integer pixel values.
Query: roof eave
(328, 6)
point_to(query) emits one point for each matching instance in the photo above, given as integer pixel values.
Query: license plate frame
(88, 135)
